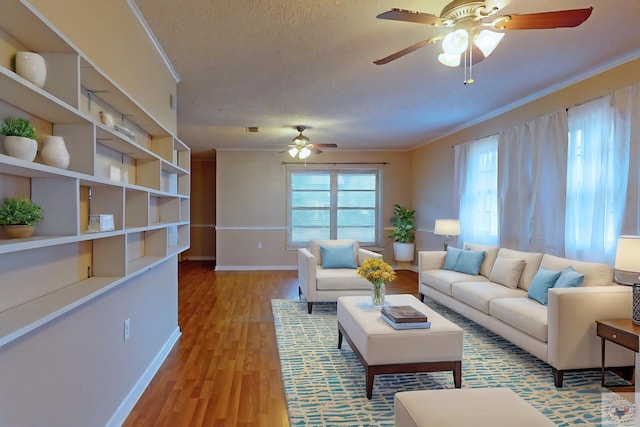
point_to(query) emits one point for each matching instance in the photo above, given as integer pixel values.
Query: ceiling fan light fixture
(304, 153)
(293, 151)
(449, 60)
(487, 41)
(455, 42)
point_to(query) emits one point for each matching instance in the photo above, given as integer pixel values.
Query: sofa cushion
(541, 283)
(490, 253)
(480, 294)
(532, 263)
(522, 313)
(507, 271)
(451, 258)
(469, 262)
(334, 256)
(442, 279)
(569, 278)
(595, 273)
(339, 279)
(314, 247)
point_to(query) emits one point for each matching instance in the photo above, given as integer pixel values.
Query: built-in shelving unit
(140, 177)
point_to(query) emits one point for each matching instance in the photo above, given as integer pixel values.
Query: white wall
(78, 370)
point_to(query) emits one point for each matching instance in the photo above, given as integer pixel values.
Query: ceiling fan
(301, 146)
(476, 32)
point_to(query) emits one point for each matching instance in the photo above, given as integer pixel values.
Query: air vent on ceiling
(252, 129)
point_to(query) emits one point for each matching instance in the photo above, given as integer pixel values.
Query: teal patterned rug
(326, 386)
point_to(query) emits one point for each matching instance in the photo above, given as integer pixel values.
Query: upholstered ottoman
(478, 407)
(385, 350)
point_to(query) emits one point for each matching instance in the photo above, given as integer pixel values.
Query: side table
(620, 331)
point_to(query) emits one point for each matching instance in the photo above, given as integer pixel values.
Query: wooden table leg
(369, 383)
(602, 365)
(457, 375)
(339, 338)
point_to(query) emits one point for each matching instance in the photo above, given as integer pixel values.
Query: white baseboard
(125, 408)
(255, 267)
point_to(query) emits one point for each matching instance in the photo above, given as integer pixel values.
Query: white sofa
(318, 284)
(562, 333)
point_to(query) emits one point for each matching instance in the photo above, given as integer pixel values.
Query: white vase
(54, 152)
(32, 67)
(21, 148)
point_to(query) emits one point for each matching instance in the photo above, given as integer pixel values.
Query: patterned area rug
(326, 386)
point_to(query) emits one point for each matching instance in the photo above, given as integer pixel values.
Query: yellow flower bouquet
(377, 272)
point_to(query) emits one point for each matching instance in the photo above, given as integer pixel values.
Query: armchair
(325, 279)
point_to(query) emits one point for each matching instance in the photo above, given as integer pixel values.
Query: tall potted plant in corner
(19, 216)
(403, 233)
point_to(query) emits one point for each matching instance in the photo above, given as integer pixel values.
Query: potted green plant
(19, 138)
(403, 233)
(19, 216)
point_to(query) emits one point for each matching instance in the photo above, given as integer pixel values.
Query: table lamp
(627, 269)
(447, 227)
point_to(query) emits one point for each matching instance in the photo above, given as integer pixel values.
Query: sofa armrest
(430, 260)
(365, 254)
(307, 265)
(572, 314)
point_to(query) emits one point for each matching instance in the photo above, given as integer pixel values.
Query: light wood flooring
(225, 369)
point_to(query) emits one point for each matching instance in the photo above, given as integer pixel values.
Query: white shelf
(143, 181)
(24, 318)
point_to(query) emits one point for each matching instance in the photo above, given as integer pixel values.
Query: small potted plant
(19, 138)
(403, 233)
(19, 216)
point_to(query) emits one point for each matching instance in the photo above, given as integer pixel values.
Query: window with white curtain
(597, 174)
(328, 203)
(477, 182)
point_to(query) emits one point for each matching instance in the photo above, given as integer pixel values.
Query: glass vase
(377, 294)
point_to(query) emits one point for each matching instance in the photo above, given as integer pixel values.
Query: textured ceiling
(281, 63)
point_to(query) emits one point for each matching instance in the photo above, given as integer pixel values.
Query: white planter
(21, 147)
(31, 67)
(54, 152)
(403, 251)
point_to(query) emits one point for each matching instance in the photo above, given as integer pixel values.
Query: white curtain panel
(629, 120)
(532, 165)
(476, 169)
(597, 176)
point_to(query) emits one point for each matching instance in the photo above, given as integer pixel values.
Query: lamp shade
(628, 254)
(455, 42)
(447, 227)
(487, 41)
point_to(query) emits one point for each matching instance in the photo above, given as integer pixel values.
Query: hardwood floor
(225, 369)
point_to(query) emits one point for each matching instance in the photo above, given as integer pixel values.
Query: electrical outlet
(127, 329)
(259, 245)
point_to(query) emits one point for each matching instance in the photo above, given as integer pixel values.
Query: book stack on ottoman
(404, 317)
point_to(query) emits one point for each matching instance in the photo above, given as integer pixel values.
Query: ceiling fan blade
(412, 16)
(407, 50)
(544, 20)
(325, 145)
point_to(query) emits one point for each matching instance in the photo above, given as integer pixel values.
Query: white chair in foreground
(327, 269)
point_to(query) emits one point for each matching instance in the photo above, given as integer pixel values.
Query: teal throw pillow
(469, 262)
(338, 256)
(569, 278)
(542, 281)
(452, 258)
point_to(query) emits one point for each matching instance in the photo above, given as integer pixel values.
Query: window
(478, 188)
(334, 204)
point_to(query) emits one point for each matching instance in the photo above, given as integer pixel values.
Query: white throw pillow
(507, 271)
